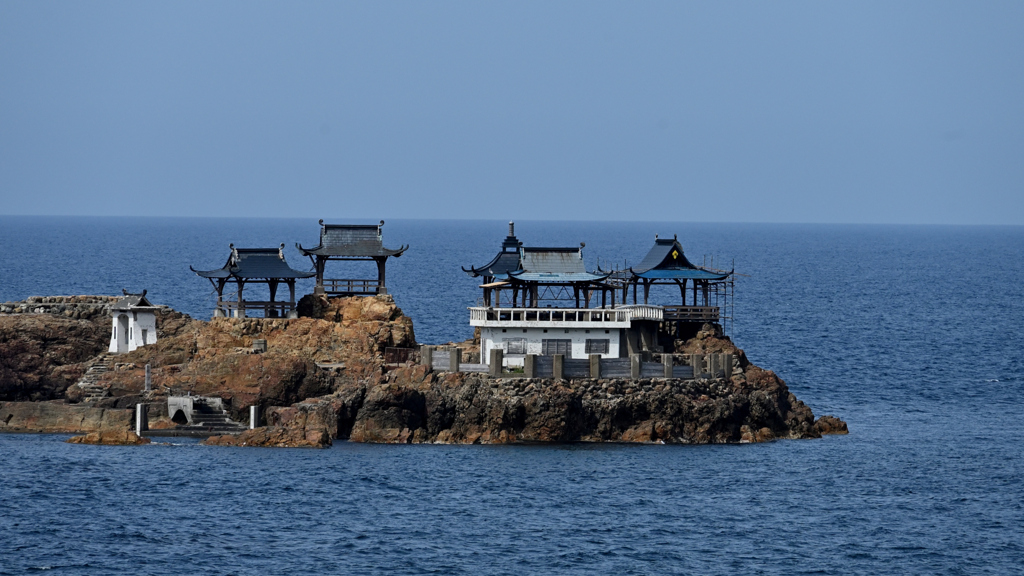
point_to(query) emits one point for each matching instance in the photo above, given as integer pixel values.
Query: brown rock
(110, 438)
(830, 425)
(274, 437)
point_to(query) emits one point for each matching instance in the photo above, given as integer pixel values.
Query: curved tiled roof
(666, 260)
(246, 263)
(351, 241)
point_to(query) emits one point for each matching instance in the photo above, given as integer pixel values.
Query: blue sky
(875, 112)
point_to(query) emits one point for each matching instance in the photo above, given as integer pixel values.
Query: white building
(134, 323)
(572, 332)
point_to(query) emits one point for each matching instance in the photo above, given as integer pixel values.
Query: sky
(818, 112)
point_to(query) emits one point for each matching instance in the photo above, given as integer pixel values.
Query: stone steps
(213, 421)
(89, 382)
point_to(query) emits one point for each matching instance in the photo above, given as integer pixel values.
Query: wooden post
(496, 361)
(557, 366)
(666, 362)
(595, 365)
(530, 366)
(635, 366)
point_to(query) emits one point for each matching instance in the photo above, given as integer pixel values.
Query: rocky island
(325, 376)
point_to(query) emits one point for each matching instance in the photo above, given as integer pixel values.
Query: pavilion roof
(246, 263)
(351, 241)
(507, 259)
(554, 265)
(666, 261)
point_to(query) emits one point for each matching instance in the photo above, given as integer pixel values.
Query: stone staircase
(211, 420)
(89, 383)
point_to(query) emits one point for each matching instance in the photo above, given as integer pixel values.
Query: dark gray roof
(351, 241)
(666, 260)
(132, 301)
(554, 265)
(248, 263)
(507, 260)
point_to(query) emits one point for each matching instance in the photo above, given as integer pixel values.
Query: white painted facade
(134, 324)
(521, 331)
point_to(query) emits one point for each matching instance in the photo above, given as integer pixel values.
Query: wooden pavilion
(707, 290)
(350, 242)
(254, 266)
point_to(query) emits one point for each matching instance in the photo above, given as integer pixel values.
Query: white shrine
(134, 320)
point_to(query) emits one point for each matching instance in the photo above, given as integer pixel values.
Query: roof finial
(381, 223)
(511, 228)
(655, 236)
(280, 251)
(321, 221)
(675, 237)
(144, 290)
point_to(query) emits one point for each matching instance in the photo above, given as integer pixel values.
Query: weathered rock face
(110, 438)
(216, 359)
(56, 417)
(42, 354)
(274, 437)
(47, 342)
(413, 405)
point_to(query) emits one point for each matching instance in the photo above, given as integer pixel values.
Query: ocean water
(910, 334)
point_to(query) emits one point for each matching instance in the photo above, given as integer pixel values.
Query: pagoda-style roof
(507, 260)
(554, 265)
(248, 263)
(132, 301)
(666, 261)
(351, 241)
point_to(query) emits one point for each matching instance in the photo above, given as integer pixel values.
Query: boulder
(110, 438)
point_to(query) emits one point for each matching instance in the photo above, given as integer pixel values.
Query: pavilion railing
(351, 286)
(691, 313)
(275, 309)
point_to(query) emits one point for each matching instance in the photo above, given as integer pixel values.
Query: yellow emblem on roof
(675, 254)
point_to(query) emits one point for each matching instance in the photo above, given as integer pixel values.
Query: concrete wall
(494, 338)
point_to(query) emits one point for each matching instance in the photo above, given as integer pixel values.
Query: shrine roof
(666, 260)
(351, 241)
(245, 263)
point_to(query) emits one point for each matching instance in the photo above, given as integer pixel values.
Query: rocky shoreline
(323, 377)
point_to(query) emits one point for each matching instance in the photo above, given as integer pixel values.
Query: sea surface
(911, 334)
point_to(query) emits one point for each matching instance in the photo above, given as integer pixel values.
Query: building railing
(575, 316)
(691, 313)
(270, 309)
(351, 286)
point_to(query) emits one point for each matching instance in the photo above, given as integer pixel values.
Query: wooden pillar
(320, 262)
(381, 262)
(241, 308)
(647, 289)
(576, 293)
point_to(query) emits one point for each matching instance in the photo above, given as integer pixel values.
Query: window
(552, 347)
(514, 345)
(597, 346)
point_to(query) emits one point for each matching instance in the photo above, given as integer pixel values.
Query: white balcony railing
(563, 317)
